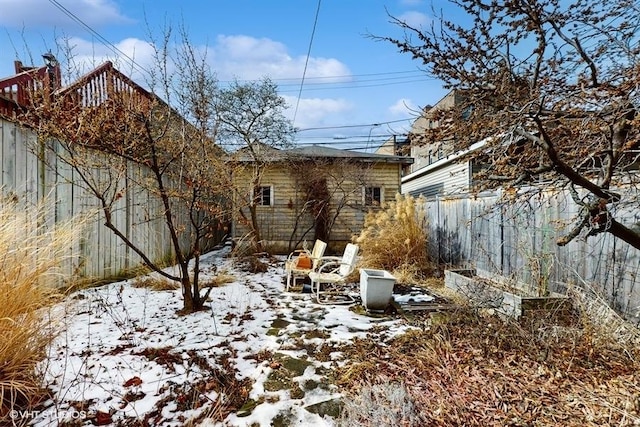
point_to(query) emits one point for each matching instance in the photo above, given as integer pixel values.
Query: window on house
(466, 112)
(372, 196)
(264, 195)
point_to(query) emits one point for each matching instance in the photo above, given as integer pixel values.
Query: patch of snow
(124, 350)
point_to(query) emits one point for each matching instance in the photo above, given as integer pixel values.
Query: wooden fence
(50, 190)
(518, 240)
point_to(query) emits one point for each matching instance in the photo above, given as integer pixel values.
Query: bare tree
(251, 119)
(551, 88)
(114, 134)
(327, 187)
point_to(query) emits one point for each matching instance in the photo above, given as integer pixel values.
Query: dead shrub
(605, 324)
(395, 239)
(381, 404)
(219, 279)
(30, 281)
(479, 370)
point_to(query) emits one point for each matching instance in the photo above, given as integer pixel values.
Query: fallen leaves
(476, 371)
(133, 382)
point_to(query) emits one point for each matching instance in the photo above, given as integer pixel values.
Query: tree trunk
(256, 236)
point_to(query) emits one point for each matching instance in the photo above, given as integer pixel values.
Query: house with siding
(438, 170)
(311, 192)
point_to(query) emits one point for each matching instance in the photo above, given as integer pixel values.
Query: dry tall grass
(395, 239)
(478, 370)
(28, 274)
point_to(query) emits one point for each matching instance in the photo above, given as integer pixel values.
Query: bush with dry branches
(395, 239)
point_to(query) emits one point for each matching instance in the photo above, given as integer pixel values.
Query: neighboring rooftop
(317, 152)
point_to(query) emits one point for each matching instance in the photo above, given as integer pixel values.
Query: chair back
(348, 263)
(318, 252)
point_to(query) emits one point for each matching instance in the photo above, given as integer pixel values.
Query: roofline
(299, 154)
(443, 162)
(373, 158)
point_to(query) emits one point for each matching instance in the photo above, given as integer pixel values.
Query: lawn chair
(331, 275)
(301, 262)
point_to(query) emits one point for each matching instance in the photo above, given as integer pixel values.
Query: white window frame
(260, 200)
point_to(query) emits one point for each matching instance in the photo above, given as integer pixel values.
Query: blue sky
(356, 92)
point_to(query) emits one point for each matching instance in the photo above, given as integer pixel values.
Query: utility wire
(357, 86)
(357, 126)
(357, 81)
(306, 62)
(106, 42)
(295, 80)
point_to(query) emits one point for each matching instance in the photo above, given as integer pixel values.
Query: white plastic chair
(331, 274)
(294, 271)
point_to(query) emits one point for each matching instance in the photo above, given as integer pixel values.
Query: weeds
(157, 283)
(395, 239)
(479, 370)
(382, 404)
(29, 278)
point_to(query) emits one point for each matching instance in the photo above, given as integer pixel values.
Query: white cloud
(415, 19)
(404, 107)
(86, 55)
(249, 58)
(313, 111)
(40, 13)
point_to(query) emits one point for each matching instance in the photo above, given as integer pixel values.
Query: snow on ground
(126, 354)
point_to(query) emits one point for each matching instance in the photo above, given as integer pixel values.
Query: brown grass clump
(395, 239)
(486, 371)
(155, 283)
(158, 283)
(222, 278)
(29, 274)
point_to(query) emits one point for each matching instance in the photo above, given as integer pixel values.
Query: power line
(357, 81)
(356, 86)
(295, 80)
(306, 62)
(357, 126)
(376, 141)
(106, 42)
(346, 138)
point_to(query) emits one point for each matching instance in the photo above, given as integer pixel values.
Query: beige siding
(428, 153)
(282, 225)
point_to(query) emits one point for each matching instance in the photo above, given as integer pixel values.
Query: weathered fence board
(519, 240)
(51, 192)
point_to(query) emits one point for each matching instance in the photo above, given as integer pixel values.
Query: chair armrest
(330, 258)
(332, 266)
(319, 262)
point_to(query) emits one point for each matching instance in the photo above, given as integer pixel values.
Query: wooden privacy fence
(51, 190)
(518, 240)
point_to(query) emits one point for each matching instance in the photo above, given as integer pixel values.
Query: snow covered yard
(126, 356)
